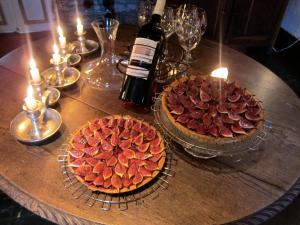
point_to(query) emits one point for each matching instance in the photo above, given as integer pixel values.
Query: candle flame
(78, 20)
(60, 31)
(221, 72)
(29, 92)
(55, 49)
(32, 63)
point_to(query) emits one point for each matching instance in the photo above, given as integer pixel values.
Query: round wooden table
(216, 191)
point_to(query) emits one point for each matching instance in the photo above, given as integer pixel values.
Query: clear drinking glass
(144, 12)
(102, 72)
(168, 25)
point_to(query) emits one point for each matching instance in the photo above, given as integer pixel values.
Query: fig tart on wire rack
(211, 110)
(116, 154)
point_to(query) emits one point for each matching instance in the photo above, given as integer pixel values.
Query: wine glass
(144, 12)
(168, 25)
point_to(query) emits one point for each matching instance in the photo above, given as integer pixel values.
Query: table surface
(214, 191)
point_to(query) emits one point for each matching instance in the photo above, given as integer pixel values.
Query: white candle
(56, 56)
(221, 72)
(61, 37)
(79, 27)
(34, 72)
(29, 100)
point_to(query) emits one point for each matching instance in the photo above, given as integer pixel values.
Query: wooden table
(212, 191)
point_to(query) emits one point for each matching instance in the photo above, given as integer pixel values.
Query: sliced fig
(253, 110)
(144, 129)
(196, 114)
(76, 154)
(202, 105)
(130, 154)
(98, 181)
(151, 165)
(123, 159)
(156, 141)
(221, 108)
(112, 122)
(234, 116)
(77, 162)
(106, 132)
(252, 116)
(126, 181)
(226, 119)
(106, 145)
(150, 135)
(185, 101)
(104, 155)
(218, 121)
(225, 132)
(92, 141)
(107, 172)
(79, 139)
(183, 119)
(240, 110)
(125, 144)
(78, 146)
(244, 123)
(111, 161)
(92, 161)
(194, 99)
(107, 183)
(143, 147)
(144, 172)
(99, 167)
(234, 97)
(137, 126)
(125, 134)
(131, 170)
(114, 140)
(128, 123)
(179, 89)
(178, 110)
(91, 150)
(212, 111)
(155, 157)
(120, 170)
(200, 129)
(172, 98)
(90, 177)
(121, 122)
(206, 120)
(140, 162)
(142, 155)
(138, 140)
(134, 133)
(251, 103)
(86, 132)
(83, 170)
(213, 130)
(93, 126)
(193, 124)
(204, 96)
(138, 178)
(116, 181)
(103, 122)
(238, 129)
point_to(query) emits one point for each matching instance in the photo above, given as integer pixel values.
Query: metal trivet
(107, 201)
(208, 150)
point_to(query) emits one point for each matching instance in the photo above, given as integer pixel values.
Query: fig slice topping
(234, 116)
(114, 140)
(99, 167)
(221, 108)
(76, 154)
(156, 141)
(90, 177)
(204, 96)
(78, 146)
(151, 165)
(77, 162)
(125, 144)
(178, 110)
(91, 161)
(126, 181)
(83, 170)
(106, 145)
(206, 120)
(144, 172)
(213, 131)
(112, 161)
(107, 183)
(183, 119)
(137, 126)
(125, 134)
(244, 123)
(132, 170)
(116, 181)
(238, 129)
(226, 119)
(98, 181)
(91, 150)
(225, 132)
(120, 170)
(128, 123)
(155, 157)
(202, 105)
(123, 159)
(252, 116)
(130, 154)
(142, 155)
(138, 140)
(234, 97)
(138, 178)
(104, 155)
(93, 141)
(150, 135)
(107, 172)
(143, 147)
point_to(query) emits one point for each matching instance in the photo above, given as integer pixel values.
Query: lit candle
(79, 27)
(61, 37)
(29, 100)
(221, 72)
(34, 72)
(56, 56)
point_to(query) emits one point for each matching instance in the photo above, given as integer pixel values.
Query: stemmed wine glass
(191, 24)
(168, 25)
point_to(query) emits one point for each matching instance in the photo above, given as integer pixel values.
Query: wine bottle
(147, 48)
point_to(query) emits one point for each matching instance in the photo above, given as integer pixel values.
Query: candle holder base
(90, 47)
(70, 76)
(54, 95)
(73, 59)
(21, 126)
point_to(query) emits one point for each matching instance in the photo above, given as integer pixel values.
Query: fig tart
(116, 154)
(211, 110)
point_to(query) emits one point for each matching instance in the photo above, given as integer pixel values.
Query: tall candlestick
(30, 102)
(56, 57)
(34, 72)
(61, 37)
(79, 27)
(221, 72)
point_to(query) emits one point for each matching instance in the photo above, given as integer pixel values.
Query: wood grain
(203, 191)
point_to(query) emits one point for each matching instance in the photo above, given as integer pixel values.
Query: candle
(79, 27)
(29, 100)
(221, 72)
(61, 37)
(34, 72)
(56, 56)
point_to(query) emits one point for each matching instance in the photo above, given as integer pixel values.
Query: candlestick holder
(83, 46)
(60, 75)
(33, 126)
(49, 96)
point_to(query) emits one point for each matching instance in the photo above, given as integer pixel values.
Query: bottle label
(137, 71)
(143, 50)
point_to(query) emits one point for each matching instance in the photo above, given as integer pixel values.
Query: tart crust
(200, 137)
(161, 162)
